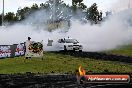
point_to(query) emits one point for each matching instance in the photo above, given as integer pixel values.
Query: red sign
(107, 78)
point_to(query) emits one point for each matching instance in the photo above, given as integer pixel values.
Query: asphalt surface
(49, 81)
(98, 55)
(30, 80)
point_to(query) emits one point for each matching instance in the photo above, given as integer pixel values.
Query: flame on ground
(82, 72)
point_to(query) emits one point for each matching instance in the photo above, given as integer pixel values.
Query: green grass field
(57, 63)
(125, 50)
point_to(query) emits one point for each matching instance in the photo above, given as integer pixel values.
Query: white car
(69, 44)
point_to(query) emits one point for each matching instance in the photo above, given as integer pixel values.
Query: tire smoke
(114, 32)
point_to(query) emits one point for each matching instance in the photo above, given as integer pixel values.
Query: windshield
(71, 41)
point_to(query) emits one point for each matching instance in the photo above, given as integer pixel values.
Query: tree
(76, 2)
(82, 6)
(34, 7)
(58, 11)
(93, 14)
(44, 6)
(10, 17)
(23, 13)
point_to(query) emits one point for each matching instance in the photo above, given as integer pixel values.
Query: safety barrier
(7, 51)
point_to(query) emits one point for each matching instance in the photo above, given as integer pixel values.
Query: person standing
(28, 42)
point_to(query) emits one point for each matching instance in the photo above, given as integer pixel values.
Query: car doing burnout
(69, 44)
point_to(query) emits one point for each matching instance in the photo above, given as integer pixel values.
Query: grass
(125, 50)
(57, 63)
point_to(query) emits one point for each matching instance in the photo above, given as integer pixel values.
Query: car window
(71, 41)
(61, 41)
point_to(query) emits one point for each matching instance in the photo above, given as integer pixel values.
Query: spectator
(28, 42)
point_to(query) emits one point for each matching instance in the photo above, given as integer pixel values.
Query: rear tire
(80, 50)
(74, 50)
(65, 49)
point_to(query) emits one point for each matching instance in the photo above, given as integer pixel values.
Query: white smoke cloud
(120, 5)
(18, 34)
(114, 32)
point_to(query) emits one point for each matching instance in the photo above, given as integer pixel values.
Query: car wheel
(65, 49)
(80, 50)
(74, 50)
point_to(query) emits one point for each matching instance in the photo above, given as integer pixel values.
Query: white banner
(20, 50)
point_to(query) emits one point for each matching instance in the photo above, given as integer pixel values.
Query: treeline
(91, 14)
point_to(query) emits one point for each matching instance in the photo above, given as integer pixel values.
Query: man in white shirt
(28, 42)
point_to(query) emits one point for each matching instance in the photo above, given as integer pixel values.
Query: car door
(61, 44)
